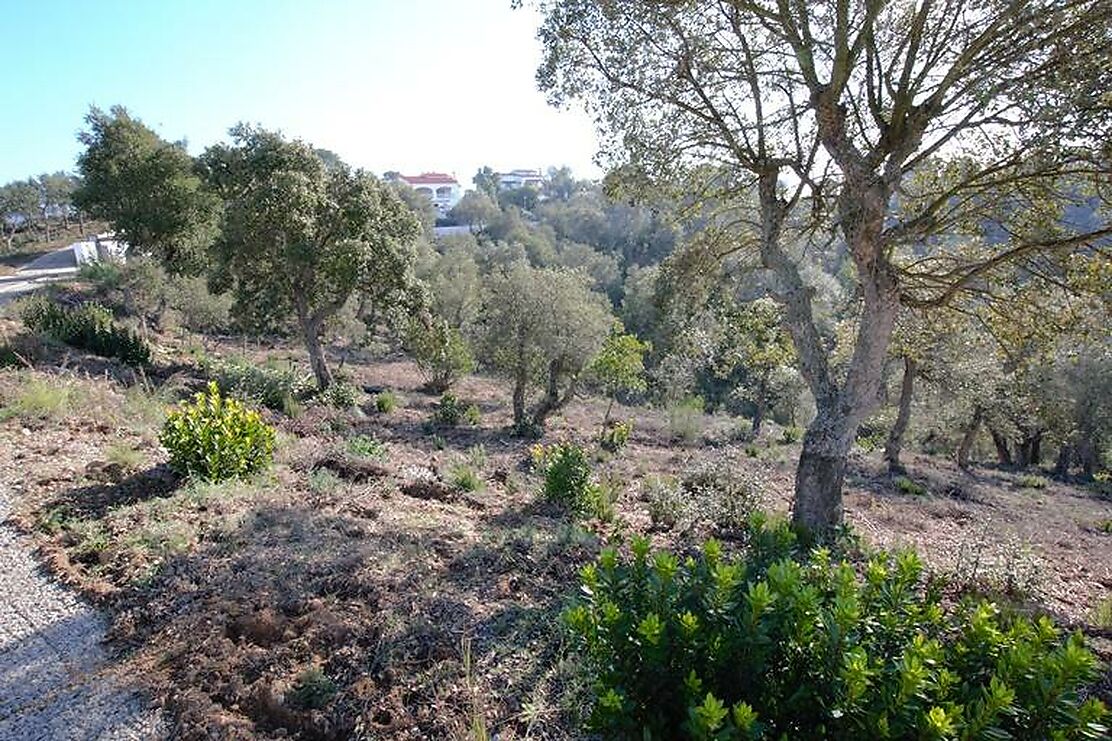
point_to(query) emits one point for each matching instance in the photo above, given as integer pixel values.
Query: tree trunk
(758, 417)
(895, 435)
(312, 331)
(1003, 454)
(968, 438)
(520, 382)
(1065, 455)
(821, 472)
(1028, 449)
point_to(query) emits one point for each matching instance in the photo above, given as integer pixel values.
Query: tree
(299, 238)
(19, 200)
(440, 351)
(541, 326)
(620, 366)
(526, 197)
(486, 181)
(476, 209)
(418, 203)
(870, 127)
(147, 189)
(560, 184)
(57, 192)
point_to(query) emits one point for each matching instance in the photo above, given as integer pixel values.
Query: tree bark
(1003, 454)
(1065, 455)
(895, 436)
(968, 438)
(821, 472)
(758, 417)
(312, 332)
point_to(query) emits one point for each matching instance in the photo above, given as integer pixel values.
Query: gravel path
(54, 674)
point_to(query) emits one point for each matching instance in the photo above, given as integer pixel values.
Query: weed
(465, 478)
(1105, 526)
(438, 442)
(40, 399)
(386, 402)
(790, 435)
(1102, 614)
(615, 436)
(685, 419)
(1031, 481)
(365, 446)
(907, 486)
(123, 455)
(323, 482)
(477, 456)
(312, 690)
(666, 505)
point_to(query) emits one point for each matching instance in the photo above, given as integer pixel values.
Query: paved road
(57, 265)
(55, 680)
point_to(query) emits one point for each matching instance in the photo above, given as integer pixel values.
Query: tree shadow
(95, 500)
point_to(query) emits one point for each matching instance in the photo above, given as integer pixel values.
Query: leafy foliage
(268, 385)
(451, 411)
(365, 446)
(615, 436)
(217, 438)
(784, 644)
(569, 479)
(385, 402)
(88, 326)
(441, 353)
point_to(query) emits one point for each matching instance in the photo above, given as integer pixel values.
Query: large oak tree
(892, 129)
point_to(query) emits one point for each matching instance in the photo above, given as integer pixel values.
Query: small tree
(19, 200)
(620, 366)
(542, 326)
(147, 189)
(440, 351)
(476, 209)
(300, 238)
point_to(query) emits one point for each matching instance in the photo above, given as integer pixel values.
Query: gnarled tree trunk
(312, 331)
(895, 436)
(1003, 454)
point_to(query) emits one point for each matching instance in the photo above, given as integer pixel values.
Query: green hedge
(88, 326)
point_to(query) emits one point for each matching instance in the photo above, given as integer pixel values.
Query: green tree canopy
(300, 239)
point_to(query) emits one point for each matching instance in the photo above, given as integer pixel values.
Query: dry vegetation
(358, 590)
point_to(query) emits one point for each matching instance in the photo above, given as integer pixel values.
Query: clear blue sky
(408, 85)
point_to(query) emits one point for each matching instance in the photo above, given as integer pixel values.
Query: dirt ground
(338, 596)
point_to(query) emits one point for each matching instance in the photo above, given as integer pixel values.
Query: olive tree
(541, 327)
(891, 129)
(147, 189)
(300, 239)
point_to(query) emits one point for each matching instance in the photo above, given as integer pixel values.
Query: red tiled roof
(429, 178)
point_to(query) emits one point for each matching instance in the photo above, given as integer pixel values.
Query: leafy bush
(89, 327)
(615, 436)
(269, 386)
(780, 645)
(386, 402)
(450, 411)
(365, 446)
(717, 490)
(339, 395)
(569, 480)
(217, 438)
(908, 486)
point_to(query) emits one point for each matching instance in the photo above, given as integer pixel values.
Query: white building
(520, 179)
(443, 190)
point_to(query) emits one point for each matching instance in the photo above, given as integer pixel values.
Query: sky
(408, 85)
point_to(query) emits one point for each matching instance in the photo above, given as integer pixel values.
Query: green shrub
(791, 435)
(312, 690)
(666, 505)
(217, 438)
(266, 385)
(88, 327)
(339, 395)
(386, 402)
(1102, 614)
(365, 446)
(783, 645)
(465, 478)
(1032, 481)
(569, 480)
(615, 436)
(717, 490)
(908, 486)
(450, 411)
(39, 398)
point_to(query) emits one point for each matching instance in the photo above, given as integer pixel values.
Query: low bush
(312, 690)
(441, 353)
(365, 446)
(615, 436)
(216, 438)
(88, 327)
(717, 490)
(340, 394)
(569, 479)
(266, 385)
(385, 402)
(904, 485)
(38, 398)
(451, 411)
(783, 644)
(1032, 481)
